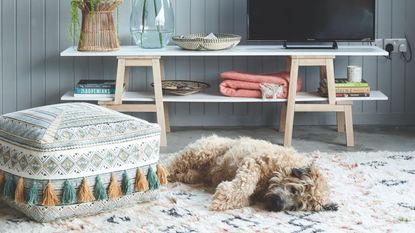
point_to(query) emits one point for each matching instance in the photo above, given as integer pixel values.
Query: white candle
(354, 74)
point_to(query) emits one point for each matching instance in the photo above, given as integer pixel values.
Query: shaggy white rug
(375, 191)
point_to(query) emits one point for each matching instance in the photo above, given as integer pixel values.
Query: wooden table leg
(349, 125)
(283, 115)
(289, 121)
(120, 81)
(166, 106)
(331, 86)
(159, 100)
(340, 122)
(126, 78)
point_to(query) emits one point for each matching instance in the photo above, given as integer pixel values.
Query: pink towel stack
(237, 84)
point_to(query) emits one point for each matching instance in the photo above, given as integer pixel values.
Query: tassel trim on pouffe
(141, 183)
(126, 186)
(2, 182)
(153, 181)
(9, 187)
(99, 190)
(48, 197)
(114, 188)
(19, 192)
(162, 174)
(32, 197)
(68, 193)
(84, 192)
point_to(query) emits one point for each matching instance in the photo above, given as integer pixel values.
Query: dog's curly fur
(246, 169)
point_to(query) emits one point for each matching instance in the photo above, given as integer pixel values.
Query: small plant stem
(157, 26)
(143, 21)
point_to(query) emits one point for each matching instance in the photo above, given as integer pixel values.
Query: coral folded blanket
(237, 84)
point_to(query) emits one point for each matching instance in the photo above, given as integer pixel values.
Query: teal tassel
(68, 194)
(9, 187)
(99, 191)
(153, 180)
(126, 186)
(32, 196)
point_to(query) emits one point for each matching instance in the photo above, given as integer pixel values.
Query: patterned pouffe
(77, 159)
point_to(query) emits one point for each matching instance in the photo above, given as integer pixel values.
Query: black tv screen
(311, 20)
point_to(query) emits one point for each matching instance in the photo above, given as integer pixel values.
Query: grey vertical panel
(225, 63)
(254, 110)
(357, 61)
(312, 78)
(81, 69)
(371, 70)
(410, 67)
(269, 110)
(38, 52)
(23, 60)
(183, 25)
(240, 63)
(95, 68)
(170, 74)
(197, 64)
(384, 66)
(398, 64)
(370, 74)
(9, 55)
(212, 63)
(52, 52)
(66, 64)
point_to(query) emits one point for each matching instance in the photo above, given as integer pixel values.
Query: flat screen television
(311, 20)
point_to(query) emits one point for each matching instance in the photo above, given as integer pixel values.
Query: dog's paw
(222, 197)
(227, 197)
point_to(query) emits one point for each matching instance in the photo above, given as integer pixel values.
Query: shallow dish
(182, 87)
(200, 41)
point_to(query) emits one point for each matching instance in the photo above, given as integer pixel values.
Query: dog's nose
(275, 203)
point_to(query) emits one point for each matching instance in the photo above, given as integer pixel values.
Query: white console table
(131, 56)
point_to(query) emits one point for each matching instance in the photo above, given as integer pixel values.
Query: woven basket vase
(98, 31)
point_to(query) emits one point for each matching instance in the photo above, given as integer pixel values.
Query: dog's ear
(331, 207)
(298, 172)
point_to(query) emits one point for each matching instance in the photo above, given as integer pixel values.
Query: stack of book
(95, 88)
(345, 88)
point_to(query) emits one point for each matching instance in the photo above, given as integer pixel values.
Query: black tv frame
(334, 41)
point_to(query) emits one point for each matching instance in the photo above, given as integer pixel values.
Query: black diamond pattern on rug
(401, 157)
(374, 164)
(233, 221)
(412, 172)
(391, 183)
(406, 205)
(177, 213)
(304, 222)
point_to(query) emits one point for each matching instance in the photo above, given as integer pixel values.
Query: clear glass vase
(152, 23)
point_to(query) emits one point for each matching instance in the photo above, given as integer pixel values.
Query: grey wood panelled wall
(33, 32)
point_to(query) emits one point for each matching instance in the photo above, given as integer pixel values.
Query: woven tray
(182, 87)
(199, 42)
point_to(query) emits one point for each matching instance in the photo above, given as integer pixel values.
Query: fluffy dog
(245, 170)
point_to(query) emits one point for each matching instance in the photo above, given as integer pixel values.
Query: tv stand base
(308, 45)
(343, 109)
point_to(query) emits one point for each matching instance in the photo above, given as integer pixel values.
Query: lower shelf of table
(217, 98)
